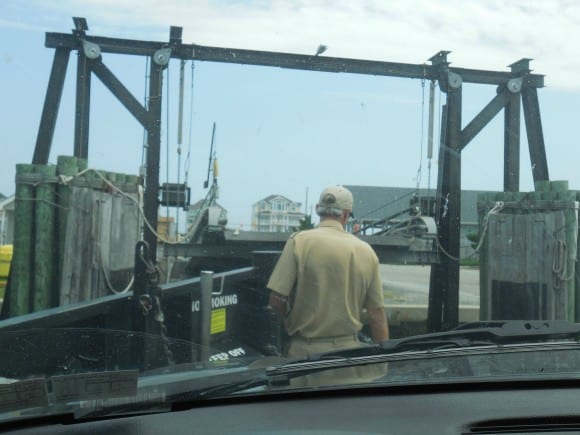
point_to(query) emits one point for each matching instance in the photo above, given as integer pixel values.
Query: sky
(294, 132)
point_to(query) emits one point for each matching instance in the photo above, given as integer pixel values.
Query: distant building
(6, 220)
(276, 213)
(196, 208)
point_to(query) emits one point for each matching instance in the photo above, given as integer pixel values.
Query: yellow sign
(218, 321)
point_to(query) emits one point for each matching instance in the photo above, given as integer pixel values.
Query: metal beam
(535, 134)
(452, 221)
(511, 172)
(51, 105)
(83, 104)
(151, 195)
(396, 253)
(120, 91)
(286, 60)
(443, 312)
(483, 118)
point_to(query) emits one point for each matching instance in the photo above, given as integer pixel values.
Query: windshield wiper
(472, 334)
(490, 333)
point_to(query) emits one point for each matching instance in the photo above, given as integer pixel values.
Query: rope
(496, 209)
(66, 179)
(560, 265)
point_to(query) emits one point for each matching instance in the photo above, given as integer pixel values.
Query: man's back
(335, 276)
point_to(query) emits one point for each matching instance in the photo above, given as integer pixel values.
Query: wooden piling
(43, 286)
(66, 166)
(22, 260)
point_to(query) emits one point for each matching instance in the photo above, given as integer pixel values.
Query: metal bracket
(515, 85)
(91, 50)
(161, 57)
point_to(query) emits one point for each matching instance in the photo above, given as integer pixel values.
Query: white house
(6, 220)
(276, 213)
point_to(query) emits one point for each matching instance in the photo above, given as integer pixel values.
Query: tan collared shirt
(329, 276)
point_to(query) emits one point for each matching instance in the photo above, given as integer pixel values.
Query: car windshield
(223, 198)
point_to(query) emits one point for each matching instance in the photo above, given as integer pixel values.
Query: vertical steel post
(511, 172)
(205, 308)
(83, 98)
(444, 283)
(151, 194)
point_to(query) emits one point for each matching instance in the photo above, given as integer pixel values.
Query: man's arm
(278, 303)
(378, 324)
(282, 280)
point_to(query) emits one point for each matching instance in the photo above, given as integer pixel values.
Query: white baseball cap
(336, 196)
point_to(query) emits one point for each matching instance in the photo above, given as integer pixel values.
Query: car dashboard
(539, 407)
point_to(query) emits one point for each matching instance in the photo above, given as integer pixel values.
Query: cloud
(484, 34)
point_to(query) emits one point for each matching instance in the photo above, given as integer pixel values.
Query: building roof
(376, 202)
(7, 202)
(274, 196)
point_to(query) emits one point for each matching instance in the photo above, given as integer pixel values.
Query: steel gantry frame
(513, 86)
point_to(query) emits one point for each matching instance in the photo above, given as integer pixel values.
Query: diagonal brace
(484, 117)
(121, 92)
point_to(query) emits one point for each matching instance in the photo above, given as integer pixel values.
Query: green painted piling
(66, 166)
(559, 186)
(542, 185)
(82, 164)
(21, 270)
(44, 294)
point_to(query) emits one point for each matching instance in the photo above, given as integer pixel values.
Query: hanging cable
(146, 105)
(167, 154)
(419, 169)
(180, 131)
(188, 155)
(430, 133)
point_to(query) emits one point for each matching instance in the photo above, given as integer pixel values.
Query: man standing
(323, 280)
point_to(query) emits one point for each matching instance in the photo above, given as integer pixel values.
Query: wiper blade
(491, 333)
(473, 334)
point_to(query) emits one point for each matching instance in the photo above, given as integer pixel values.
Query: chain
(160, 318)
(151, 304)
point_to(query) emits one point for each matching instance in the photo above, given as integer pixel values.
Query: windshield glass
(222, 198)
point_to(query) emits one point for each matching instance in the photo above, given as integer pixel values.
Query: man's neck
(332, 218)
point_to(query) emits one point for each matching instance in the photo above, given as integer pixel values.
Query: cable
(179, 132)
(495, 209)
(167, 152)
(419, 169)
(146, 104)
(188, 156)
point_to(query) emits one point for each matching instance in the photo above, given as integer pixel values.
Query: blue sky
(282, 131)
